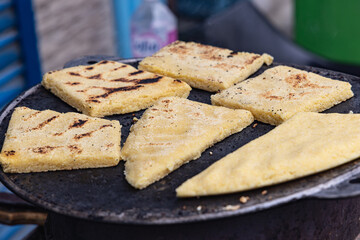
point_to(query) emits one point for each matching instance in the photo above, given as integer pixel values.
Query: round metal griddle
(104, 195)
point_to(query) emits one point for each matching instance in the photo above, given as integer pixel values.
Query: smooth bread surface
(40, 141)
(109, 87)
(173, 132)
(305, 144)
(202, 66)
(281, 92)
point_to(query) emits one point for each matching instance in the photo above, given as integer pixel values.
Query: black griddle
(103, 194)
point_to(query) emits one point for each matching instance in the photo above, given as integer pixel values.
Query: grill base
(303, 219)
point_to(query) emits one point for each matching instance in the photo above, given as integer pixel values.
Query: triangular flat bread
(203, 66)
(173, 132)
(40, 141)
(280, 92)
(109, 87)
(305, 144)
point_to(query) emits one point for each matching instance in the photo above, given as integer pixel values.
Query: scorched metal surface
(104, 195)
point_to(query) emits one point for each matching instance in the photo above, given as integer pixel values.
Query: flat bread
(307, 143)
(281, 92)
(173, 132)
(109, 87)
(40, 141)
(202, 66)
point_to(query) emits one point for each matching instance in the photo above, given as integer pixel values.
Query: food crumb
(264, 192)
(211, 153)
(244, 199)
(133, 114)
(184, 207)
(199, 208)
(231, 207)
(254, 126)
(135, 119)
(351, 112)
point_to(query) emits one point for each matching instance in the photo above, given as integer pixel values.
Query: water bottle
(153, 26)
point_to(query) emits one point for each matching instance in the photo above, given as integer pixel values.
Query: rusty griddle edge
(335, 187)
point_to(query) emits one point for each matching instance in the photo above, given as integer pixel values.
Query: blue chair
(19, 59)
(19, 70)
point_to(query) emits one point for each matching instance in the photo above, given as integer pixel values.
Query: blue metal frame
(28, 41)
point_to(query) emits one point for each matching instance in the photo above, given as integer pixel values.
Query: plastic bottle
(153, 26)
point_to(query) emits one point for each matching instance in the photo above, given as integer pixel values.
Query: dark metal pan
(104, 195)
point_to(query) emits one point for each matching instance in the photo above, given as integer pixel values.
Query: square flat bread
(110, 87)
(202, 66)
(40, 141)
(173, 132)
(305, 144)
(280, 92)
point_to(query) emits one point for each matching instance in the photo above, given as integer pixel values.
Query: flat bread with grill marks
(173, 132)
(203, 66)
(109, 87)
(40, 141)
(307, 143)
(280, 92)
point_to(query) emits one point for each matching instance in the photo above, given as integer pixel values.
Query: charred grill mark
(104, 126)
(148, 80)
(97, 76)
(123, 80)
(165, 101)
(123, 66)
(78, 123)
(9, 153)
(32, 115)
(74, 74)
(251, 60)
(300, 80)
(47, 121)
(93, 101)
(88, 134)
(72, 83)
(177, 80)
(79, 136)
(268, 95)
(89, 68)
(75, 148)
(109, 145)
(109, 91)
(103, 62)
(58, 134)
(43, 150)
(135, 73)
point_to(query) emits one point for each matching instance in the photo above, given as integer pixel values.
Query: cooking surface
(104, 195)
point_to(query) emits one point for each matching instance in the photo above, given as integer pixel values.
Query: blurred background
(39, 35)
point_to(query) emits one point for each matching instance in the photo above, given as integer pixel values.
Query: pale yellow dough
(203, 66)
(307, 143)
(40, 141)
(109, 87)
(173, 132)
(281, 92)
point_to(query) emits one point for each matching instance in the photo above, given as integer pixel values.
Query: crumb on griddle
(264, 192)
(231, 207)
(244, 199)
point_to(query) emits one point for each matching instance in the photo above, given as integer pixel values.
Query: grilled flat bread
(280, 92)
(305, 144)
(110, 87)
(173, 132)
(40, 141)
(202, 66)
